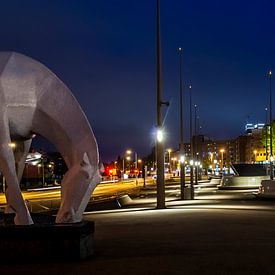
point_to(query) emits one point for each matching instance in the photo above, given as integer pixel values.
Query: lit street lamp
(181, 144)
(222, 151)
(270, 123)
(127, 153)
(169, 159)
(191, 142)
(43, 172)
(266, 134)
(159, 143)
(192, 182)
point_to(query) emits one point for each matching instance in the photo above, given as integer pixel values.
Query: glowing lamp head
(270, 73)
(191, 162)
(159, 135)
(182, 159)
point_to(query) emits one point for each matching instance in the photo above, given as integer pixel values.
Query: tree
(266, 136)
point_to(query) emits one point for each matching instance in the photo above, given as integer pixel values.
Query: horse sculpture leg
(15, 201)
(76, 189)
(20, 154)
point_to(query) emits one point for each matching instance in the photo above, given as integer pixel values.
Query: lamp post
(43, 172)
(181, 143)
(266, 133)
(270, 123)
(169, 159)
(173, 164)
(191, 141)
(222, 151)
(192, 182)
(159, 139)
(127, 153)
(196, 154)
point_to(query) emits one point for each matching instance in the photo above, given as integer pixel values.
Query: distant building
(247, 148)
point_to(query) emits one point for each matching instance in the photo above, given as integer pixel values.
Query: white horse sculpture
(33, 100)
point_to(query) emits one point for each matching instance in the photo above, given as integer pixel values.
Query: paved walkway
(189, 237)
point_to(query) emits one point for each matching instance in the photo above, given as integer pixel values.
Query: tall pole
(122, 176)
(191, 144)
(270, 122)
(190, 121)
(136, 161)
(196, 144)
(159, 141)
(195, 126)
(266, 133)
(181, 143)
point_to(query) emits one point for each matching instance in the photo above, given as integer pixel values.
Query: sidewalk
(189, 237)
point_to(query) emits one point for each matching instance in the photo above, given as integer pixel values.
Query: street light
(191, 181)
(127, 153)
(43, 172)
(169, 159)
(222, 151)
(159, 105)
(211, 157)
(173, 163)
(270, 122)
(191, 137)
(181, 143)
(266, 134)
(196, 172)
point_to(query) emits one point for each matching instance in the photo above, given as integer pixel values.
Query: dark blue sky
(105, 52)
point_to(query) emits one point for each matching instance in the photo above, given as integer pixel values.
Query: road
(47, 198)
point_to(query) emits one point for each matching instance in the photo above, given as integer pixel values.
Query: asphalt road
(42, 199)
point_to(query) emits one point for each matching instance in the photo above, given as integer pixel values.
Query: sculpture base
(45, 240)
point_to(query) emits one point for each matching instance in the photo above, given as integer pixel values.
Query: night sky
(105, 52)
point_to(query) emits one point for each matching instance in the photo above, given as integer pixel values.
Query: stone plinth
(45, 240)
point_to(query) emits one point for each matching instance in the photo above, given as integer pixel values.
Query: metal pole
(181, 142)
(191, 144)
(270, 122)
(136, 168)
(266, 133)
(43, 175)
(136, 161)
(196, 144)
(159, 142)
(4, 184)
(222, 162)
(195, 140)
